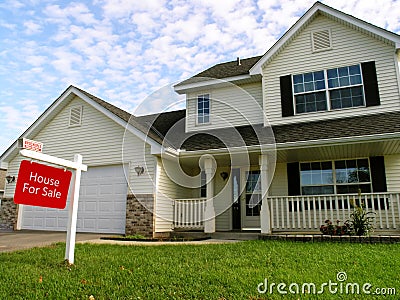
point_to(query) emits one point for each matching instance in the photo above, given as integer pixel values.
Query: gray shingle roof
(157, 126)
(145, 124)
(161, 123)
(318, 130)
(224, 70)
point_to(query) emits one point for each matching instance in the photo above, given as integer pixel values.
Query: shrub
(330, 229)
(361, 221)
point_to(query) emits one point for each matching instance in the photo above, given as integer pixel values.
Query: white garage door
(102, 205)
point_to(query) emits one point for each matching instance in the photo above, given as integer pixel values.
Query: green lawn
(224, 271)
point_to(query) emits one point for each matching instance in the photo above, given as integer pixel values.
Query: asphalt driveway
(24, 239)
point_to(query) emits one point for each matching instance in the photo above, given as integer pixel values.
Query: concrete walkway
(156, 243)
(25, 239)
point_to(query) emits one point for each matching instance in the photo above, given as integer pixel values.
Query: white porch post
(265, 214)
(209, 214)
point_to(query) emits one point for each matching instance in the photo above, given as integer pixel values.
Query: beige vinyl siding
(349, 47)
(99, 140)
(279, 185)
(392, 169)
(167, 191)
(230, 106)
(137, 153)
(222, 201)
(13, 168)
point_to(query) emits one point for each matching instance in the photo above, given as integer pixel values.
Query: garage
(102, 205)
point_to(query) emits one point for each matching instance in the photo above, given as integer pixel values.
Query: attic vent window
(321, 40)
(75, 116)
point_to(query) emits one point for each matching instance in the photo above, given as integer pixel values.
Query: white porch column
(265, 214)
(209, 214)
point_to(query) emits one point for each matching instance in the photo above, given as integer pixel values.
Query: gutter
(181, 89)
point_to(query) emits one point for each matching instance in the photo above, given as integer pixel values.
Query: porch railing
(310, 212)
(189, 213)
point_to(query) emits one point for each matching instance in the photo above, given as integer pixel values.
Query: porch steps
(373, 239)
(243, 236)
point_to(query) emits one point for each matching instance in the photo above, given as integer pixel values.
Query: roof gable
(315, 10)
(218, 75)
(118, 115)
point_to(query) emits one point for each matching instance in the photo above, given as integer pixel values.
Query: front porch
(292, 191)
(301, 214)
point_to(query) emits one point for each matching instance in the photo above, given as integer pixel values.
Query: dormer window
(203, 109)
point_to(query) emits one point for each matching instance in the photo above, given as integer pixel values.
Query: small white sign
(31, 145)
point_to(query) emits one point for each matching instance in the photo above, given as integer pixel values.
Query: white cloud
(77, 11)
(124, 8)
(32, 27)
(7, 25)
(36, 60)
(123, 50)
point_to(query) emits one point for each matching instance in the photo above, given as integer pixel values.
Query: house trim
(182, 89)
(318, 7)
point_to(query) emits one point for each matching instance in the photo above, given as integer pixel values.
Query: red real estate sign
(41, 185)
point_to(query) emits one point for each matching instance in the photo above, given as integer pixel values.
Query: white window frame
(327, 91)
(197, 109)
(334, 183)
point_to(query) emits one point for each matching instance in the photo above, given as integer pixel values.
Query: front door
(252, 201)
(236, 216)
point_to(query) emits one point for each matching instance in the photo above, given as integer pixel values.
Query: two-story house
(279, 142)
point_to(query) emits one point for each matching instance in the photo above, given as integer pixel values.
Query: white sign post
(73, 206)
(73, 212)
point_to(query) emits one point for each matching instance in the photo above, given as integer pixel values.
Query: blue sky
(124, 50)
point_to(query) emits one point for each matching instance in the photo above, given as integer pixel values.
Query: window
(203, 184)
(328, 89)
(316, 178)
(253, 194)
(75, 116)
(309, 91)
(352, 175)
(203, 109)
(345, 87)
(338, 177)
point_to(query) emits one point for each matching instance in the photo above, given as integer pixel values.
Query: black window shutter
(378, 174)
(286, 96)
(370, 84)
(293, 177)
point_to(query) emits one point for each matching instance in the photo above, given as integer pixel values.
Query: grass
(224, 271)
